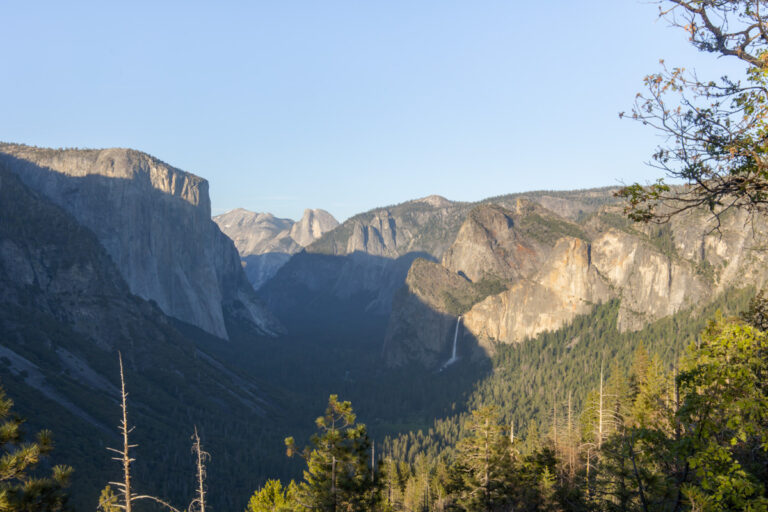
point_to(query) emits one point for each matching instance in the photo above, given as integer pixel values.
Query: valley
(244, 324)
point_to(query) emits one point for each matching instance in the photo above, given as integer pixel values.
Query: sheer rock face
(654, 274)
(652, 285)
(653, 271)
(365, 260)
(377, 237)
(733, 254)
(489, 246)
(495, 248)
(266, 242)
(154, 221)
(313, 225)
(566, 285)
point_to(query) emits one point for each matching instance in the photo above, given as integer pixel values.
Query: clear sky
(344, 105)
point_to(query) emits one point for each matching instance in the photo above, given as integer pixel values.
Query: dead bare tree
(198, 504)
(123, 455)
(125, 492)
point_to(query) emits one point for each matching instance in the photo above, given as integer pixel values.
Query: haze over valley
(402, 308)
(384, 257)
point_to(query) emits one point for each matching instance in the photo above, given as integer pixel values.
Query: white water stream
(455, 342)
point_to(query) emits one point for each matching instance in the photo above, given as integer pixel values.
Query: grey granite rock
(266, 242)
(154, 221)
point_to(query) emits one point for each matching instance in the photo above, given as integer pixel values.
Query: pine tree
(392, 484)
(338, 475)
(273, 497)
(108, 501)
(484, 462)
(20, 488)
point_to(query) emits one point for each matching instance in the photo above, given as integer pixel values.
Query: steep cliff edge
(567, 285)
(65, 312)
(495, 249)
(266, 242)
(554, 270)
(360, 265)
(154, 222)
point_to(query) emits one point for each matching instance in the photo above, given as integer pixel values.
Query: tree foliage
(108, 501)
(715, 130)
(338, 475)
(685, 435)
(21, 487)
(484, 462)
(756, 314)
(273, 497)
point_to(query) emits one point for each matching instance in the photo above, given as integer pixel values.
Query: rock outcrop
(553, 270)
(652, 284)
(360, 265)
(266, 242)
(65, 312)
(495, 243)
(568, 284)
(154, 222)
(312, 225)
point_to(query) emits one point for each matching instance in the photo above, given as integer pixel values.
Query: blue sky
(344, 105)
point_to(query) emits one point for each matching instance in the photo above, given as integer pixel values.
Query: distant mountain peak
(266, 242)
(434, 200)
(312, 226)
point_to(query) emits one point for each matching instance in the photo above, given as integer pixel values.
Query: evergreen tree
(338, 475)
(536, 482)
(698, 441)
(392, 483)
(108, 501)
(273, 497)
(532, 441)
(20, 488)
(484, 462)
(756, 314)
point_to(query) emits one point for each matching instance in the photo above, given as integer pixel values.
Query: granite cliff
(508, 259)
(558, 269)
(65, 312)
(155, 223)
(357, 267)
(356, 270)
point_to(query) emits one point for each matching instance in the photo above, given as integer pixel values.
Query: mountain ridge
(154, 221)
(266, 242)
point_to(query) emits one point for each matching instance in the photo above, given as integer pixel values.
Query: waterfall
(455, 342)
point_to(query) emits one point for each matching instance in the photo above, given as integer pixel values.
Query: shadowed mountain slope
(65, 312)
(154, 222)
